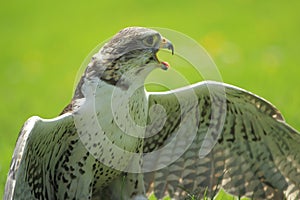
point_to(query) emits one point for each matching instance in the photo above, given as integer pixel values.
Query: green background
(255, 45)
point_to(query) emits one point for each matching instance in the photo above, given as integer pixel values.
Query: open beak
(166, 44)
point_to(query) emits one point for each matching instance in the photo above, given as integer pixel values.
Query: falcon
(115, 140)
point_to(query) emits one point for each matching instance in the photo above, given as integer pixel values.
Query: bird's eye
(150, 40)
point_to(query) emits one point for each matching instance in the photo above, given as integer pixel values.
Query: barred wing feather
(242, 144)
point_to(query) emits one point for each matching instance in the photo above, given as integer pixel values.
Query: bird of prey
(115, 140)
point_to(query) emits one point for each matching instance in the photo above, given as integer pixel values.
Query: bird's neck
(125, 106)
(122, 100)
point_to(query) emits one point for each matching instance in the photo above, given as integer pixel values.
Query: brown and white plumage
(200, 138)
(256, 153)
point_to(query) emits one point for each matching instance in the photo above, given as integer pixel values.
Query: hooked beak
(166, 44)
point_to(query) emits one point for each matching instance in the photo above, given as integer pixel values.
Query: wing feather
(35, 131)
(249, 150)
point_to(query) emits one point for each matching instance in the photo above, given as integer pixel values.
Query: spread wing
(33, 152)
(211, 136)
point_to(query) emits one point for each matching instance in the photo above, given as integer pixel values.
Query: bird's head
(131, 53)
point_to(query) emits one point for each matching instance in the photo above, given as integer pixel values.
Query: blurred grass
(255, 44)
